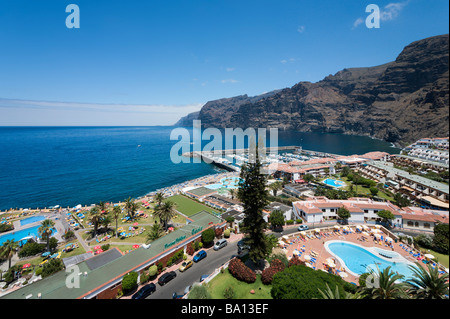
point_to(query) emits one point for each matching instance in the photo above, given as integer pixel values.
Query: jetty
(215, 157)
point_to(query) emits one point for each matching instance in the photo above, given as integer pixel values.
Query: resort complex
(342, 215)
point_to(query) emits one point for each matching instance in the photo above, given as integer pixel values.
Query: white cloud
(291, 60)
(358, 22)
(392, 10)
(230, 69)
(301, 29)
(229, 81)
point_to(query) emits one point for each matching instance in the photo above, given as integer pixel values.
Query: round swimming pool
(358, 260)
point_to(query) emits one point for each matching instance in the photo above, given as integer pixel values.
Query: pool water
(359, 260)
(31, 220)
(20, 234)
(227, 183)
(334, 183)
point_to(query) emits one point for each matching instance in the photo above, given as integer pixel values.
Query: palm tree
(159, 198)
(275, 187)
(427, 284)
(330, 294)
(46, 230)
(165, 212)
(155, 232)
(95, 217)
(131, 207)
(106, 220)
(385, 286)
(102, 207)
(8, 249)
(116, 214)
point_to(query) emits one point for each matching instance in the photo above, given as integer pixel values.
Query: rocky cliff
(399, 102)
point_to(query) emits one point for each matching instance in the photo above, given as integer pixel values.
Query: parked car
(242, 246)
(303, 227)
(199, 256)
(145, 291)
(220, 244)
(203, 277)
(186, 265)
(165, 278)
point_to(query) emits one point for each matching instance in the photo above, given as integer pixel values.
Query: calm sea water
(46, 166)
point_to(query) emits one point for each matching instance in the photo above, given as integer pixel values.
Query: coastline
(166, 191)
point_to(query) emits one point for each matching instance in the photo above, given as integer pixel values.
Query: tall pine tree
(254, 197)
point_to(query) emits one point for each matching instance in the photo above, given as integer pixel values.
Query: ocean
(67, 166)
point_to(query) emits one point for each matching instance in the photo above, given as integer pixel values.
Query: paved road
(206, 266)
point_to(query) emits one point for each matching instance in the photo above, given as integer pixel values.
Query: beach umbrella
(376, 231)
(303, 233)
(135, 224)
(377, 226)
(99, 251)
(97, 247)
(389, 239)
(429, 256)
(308, 265)
(171, 228)
(365, 227)
(365, 233)
(336, 227)
(45, 254)
(343, 274)
(307, 257)
(135, 246)
(317, 230)
(26, 266)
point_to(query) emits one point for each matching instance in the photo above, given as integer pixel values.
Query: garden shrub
(53, 266)
(129, 282)
(275, 267)
(152, 271)
(240, 271)
(301, 282)
(229, 292)
(208, 236)
(295, 260)
(218, 232)
(226, 233)
(31, 249)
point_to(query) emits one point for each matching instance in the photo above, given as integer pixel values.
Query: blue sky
(150, 62)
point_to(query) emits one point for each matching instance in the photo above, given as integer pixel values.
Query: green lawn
(188, 206)
(217, 286)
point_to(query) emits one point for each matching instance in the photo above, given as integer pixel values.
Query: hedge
(240, 271)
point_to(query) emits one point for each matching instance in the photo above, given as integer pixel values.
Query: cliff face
(399, 102)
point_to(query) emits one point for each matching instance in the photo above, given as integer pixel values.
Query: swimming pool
(334, 183)
(227, 182)
(20, 234)
(31, 220)
(358, 260)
